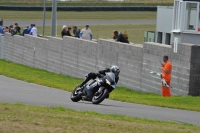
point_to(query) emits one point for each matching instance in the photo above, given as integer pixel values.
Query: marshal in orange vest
(166, 74)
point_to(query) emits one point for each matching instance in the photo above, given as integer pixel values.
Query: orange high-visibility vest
(166, 71)
(166, 74)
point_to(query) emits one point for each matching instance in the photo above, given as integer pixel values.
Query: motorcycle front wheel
(75, 97)
(98, 99)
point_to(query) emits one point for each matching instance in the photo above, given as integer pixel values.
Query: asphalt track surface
(12, 91)
(23, 23)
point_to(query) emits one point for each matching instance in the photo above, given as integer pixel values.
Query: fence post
(2, 47)
(53, 17)
(44, 17)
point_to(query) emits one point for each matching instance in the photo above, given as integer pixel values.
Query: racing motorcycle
(101, 87)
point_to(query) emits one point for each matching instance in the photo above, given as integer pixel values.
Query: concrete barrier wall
(127, 57)
(181, 69)
(9, 47)
(76, 57)
(54, 48)
(194, 84)
(18, 44)
(28, 51)
(41, 53)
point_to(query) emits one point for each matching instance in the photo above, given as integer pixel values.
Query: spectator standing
(1, 30)
(10, 27)
(17, 29)
(86, 33)
(12, 31)
(25, 31)
(64, 26)
(29, 29)
(6, 29)
(33, 31)
(64, 31)
(119, 37)
(68, 31)
(76, 31)
(166, 74)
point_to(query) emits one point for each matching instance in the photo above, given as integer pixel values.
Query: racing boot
(85, 98)
(107, 96)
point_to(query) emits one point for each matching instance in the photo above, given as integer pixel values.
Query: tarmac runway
(23, 23)
(12, 91)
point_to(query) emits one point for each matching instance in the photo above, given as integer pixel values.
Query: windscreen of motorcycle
(111, 77)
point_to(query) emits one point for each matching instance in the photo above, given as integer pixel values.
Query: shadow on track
(85, 102)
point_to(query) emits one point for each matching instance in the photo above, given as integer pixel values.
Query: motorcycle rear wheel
(103, 95)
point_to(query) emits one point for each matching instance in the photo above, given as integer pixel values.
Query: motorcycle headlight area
(108, 82)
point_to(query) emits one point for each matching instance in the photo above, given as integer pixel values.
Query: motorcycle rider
(92, 75)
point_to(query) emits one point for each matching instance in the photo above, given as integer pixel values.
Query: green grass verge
(72, 15)
(19, 118)
(45, 78)
(136, 32)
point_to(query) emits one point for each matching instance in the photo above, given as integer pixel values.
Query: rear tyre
(98, 99)
(75, 97)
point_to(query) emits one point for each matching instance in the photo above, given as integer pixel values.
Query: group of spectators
(16, 30)
(85, 33)
(32, 30)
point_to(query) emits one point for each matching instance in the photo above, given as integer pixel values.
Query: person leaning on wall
(119, 37)
(68, 31)
(12, 31)
(86, 33)
(6, 29)
(30, 28)
(64, 30)
(76, 31)
(1, 30)
(25, 31)
(33, 31)
(9, 28)
(17, 29)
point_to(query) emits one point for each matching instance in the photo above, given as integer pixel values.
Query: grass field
(64, 15)
(19, 118)
(45, 78)
(136, 32)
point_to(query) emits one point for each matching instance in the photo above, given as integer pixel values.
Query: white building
(179, 24)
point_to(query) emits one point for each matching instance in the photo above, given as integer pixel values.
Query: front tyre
(98, 99)
(75, 97)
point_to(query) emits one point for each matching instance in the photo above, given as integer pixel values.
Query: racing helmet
(115, 70)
